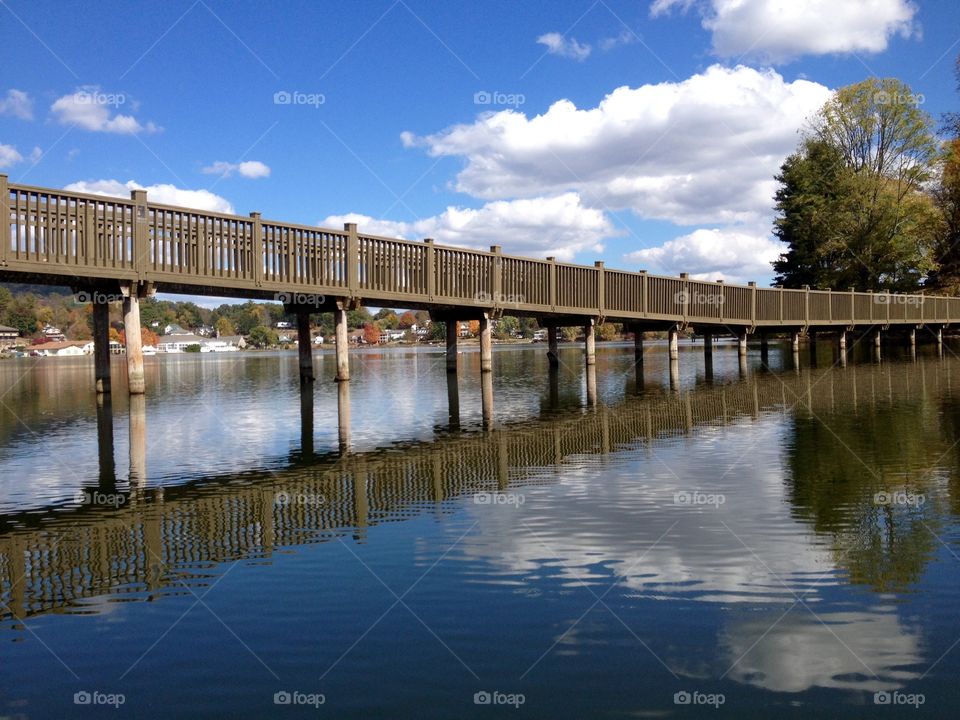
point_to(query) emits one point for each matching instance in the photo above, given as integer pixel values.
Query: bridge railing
(90, 237)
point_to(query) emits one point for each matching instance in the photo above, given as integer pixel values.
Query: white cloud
(249, 169)
(9, 156)
(163, 194)
(704, 150)
(777, 31)
(18, 104)
(626, 37)
(558, 226)
(90, 109)
(729, 254)
(557, 44)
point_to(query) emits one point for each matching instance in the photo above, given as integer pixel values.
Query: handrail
(96, 237)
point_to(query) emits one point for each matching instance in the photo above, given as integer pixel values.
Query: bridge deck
(82, 240)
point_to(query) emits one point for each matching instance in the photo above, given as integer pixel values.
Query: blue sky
(641, 132)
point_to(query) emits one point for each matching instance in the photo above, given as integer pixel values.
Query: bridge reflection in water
(133, 539)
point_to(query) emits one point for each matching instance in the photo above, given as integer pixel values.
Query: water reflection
(801, 569)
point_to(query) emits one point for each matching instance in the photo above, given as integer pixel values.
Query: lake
(778, 538)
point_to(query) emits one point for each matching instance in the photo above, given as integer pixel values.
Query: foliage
(852, 204)
(371, 333)
(262, 336)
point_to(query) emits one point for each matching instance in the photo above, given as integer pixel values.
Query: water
(599, 553)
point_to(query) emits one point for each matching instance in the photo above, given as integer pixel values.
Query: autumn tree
(859, 178)
(371, 333)
(407, 320)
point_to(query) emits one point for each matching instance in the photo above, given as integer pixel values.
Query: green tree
(261, 336)
(851, 203)
(225, 327)
(358, 318)
(22, 314)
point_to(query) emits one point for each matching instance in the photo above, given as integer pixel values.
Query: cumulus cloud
(703, 150)
(730, 254)
(163, 194)
(249, 169)
(9, 156)
(17, 104)
(776, 31)
(558, 226)
(90, 109)
(557, 44)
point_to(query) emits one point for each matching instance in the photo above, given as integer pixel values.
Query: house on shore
(9, 337)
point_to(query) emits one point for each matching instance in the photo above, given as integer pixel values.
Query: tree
(407, 320)
(946, 196)
(149, 337)
(358, 318)
(6, 299)
(261, 336)
(859, 179)
(223, 326)
(22, 314)
(474, 327)
(506, 327)
(371, 333)
(608, 331)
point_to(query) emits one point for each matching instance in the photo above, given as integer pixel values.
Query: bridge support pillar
(938, 335)
(842, 341)
(486, 345)
(304, 346)
(101, 343)
(131, 330)
(742, 343)
(638, 347)
(552, 350)
(590, 342)
(764, 347)
(876, 339)
(795, 342)
(453, 331)
(342, 344)
(912, 337)
(673, 341)
(708, 345)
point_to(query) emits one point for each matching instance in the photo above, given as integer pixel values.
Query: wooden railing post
(780, 297)
(141, 232)
(553, 282)
(5, 224)
(430, 268)
(685, 294)
(853, 306)
(257, 250)
(806, 305)
(753, 302)
(644, 294)
(830, 304)
(496, 281)
(352, 259)
(720, 305)
(601, 289)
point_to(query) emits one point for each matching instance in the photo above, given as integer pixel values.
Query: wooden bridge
(130, 248)
(148, 545)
